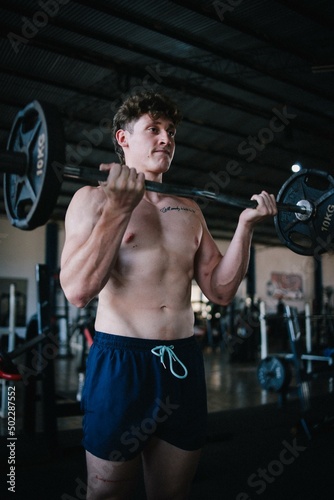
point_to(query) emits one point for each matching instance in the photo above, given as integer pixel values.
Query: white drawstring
(160, 351)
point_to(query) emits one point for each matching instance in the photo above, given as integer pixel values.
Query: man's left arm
(219, 276)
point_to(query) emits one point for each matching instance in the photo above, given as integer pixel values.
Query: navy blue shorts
(130, 396)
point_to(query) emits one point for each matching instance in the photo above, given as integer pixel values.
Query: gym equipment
(300, 232)
(302, 376)
(34, 169)
(45, 377)
(274, 374)
(7, 375)
(8, 369)
(35, 146)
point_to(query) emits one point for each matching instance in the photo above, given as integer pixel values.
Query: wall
(270, 260)
(20, 251)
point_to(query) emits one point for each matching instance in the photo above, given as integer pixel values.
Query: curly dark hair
(152, 103)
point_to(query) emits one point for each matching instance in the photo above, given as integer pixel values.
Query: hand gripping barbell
(34, 168)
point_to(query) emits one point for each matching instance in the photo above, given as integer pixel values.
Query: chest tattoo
(176, 209)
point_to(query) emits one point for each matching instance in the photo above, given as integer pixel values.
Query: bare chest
(172, 226)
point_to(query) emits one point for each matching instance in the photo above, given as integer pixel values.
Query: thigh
(111, 480)
(168, 470)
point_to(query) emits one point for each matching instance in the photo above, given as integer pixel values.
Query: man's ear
(121, 137)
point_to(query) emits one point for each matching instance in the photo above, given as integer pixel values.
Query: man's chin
(161, 168)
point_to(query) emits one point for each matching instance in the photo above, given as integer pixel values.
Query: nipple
(129, 237)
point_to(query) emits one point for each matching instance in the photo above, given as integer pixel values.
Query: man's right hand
(124, 186)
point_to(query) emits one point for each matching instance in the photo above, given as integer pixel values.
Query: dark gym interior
(255, 81)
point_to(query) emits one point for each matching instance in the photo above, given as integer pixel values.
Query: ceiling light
(296, 167)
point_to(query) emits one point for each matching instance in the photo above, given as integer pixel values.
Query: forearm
(231, 269)
(87, 268)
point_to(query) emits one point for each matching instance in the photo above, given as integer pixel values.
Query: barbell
(34, 169)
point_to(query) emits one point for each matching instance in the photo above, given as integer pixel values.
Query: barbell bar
(34, 169)
(17, 164)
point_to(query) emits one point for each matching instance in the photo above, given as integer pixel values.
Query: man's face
(149, 144)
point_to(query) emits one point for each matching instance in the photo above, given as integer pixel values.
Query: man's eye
(172, 133)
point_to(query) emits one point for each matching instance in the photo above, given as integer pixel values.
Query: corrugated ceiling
(231, 69)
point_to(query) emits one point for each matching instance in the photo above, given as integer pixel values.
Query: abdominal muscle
(147, 308)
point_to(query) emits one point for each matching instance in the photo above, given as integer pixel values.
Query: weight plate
(312, 235)
(31, 198)
(274, 373)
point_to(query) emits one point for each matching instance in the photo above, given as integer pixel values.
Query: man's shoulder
(85, 198)
(188, 202)
(87, 194)
(194, 206)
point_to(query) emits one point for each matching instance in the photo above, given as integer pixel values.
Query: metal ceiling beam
(314, 14)
(192, 40)
(210, 11)
(99, 59)
(180, 85)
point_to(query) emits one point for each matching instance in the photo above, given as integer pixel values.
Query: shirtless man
(144, 397)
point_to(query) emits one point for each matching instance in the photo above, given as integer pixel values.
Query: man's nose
(164, 137)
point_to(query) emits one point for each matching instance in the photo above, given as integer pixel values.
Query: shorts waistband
(135, 343)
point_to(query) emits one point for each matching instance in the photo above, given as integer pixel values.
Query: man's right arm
(95, 223)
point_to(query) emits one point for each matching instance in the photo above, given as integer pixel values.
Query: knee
(111, 480)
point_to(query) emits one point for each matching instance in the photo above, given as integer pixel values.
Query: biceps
(207, 259)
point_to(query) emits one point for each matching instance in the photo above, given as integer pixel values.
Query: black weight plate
(31, 198)
(314, 235)
(274, 373)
